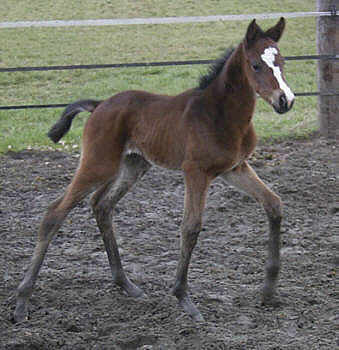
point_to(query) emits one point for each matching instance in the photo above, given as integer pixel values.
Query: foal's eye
(256, 67)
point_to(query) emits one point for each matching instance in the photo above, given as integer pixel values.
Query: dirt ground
(76, 306)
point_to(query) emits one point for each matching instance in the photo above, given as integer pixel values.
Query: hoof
(269, 298)
(20, 313)
(268, 293)
(273, 301)
(186, 303)
(131, 289)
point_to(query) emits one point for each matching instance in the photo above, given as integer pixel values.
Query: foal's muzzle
(282, 105)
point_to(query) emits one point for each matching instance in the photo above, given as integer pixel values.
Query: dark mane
(215, 69)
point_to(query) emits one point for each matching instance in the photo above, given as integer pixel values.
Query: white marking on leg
(268, 57)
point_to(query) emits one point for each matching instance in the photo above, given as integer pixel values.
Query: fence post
(328, 71)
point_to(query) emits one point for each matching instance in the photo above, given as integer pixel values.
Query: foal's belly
(170, 158)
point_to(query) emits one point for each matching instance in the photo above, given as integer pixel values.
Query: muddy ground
(76, 306)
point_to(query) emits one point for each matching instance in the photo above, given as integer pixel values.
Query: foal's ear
(253, 33)
(276, 32)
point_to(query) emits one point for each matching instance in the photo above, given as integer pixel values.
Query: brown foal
(206, 132)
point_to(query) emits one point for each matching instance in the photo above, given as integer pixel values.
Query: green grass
(89, 45)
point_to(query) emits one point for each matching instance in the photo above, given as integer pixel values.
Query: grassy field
(136, 43)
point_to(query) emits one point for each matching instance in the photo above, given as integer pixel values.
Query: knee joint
(101, 206)
(191, 231)
(192, 228)
(274, 209)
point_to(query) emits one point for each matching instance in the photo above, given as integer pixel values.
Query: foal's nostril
(283, 102)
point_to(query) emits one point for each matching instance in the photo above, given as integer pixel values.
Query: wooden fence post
(328, 70)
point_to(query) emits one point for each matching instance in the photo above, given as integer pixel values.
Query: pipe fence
(165, 20)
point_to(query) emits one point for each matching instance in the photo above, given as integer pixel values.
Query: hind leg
(103, 202)
(83, 183)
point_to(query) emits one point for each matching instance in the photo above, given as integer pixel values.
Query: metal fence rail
(163, 20)
(62, 105)
(150, 64)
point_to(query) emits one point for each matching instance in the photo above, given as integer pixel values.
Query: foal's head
(264, 65)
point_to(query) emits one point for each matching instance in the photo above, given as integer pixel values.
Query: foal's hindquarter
(205, 133)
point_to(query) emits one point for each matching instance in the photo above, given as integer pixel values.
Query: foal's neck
(232, 92)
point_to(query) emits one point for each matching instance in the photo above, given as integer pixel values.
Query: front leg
(196, 184)
(244, 178)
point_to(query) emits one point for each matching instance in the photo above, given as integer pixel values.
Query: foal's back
(156, 126)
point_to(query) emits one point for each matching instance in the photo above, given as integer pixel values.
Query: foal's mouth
(282, 105)
(283, 110)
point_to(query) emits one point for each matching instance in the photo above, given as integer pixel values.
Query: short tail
(62, 126)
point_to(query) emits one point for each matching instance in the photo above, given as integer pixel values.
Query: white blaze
(268, 57)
